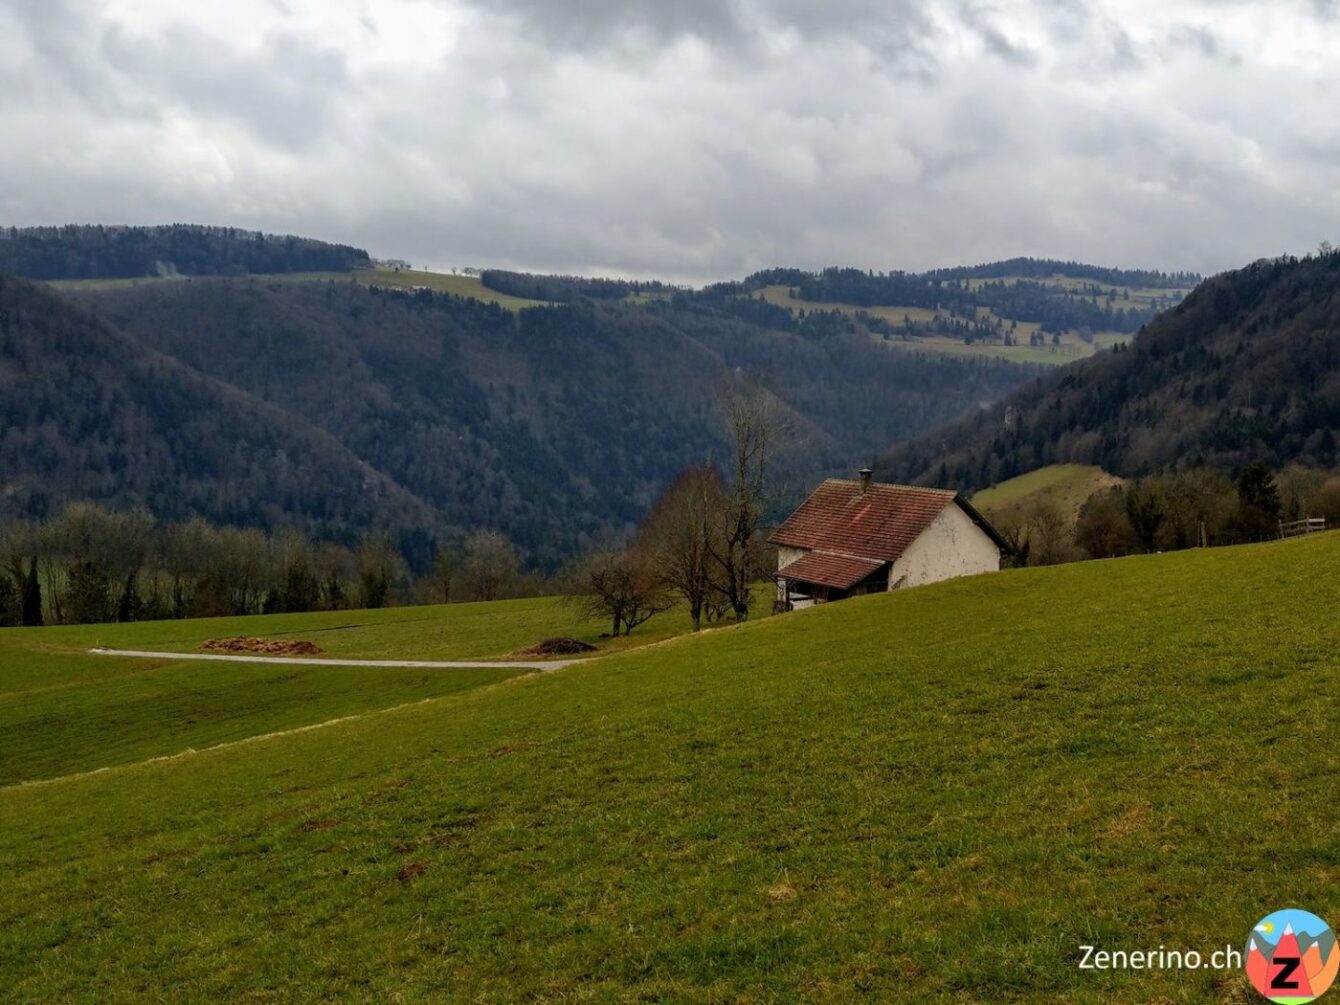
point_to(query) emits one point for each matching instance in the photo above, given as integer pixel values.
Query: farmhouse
(855, 537)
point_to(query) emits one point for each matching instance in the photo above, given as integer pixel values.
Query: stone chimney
(865, 474)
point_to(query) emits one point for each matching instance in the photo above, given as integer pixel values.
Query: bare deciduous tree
(681, 537)
(754, 425)
(380, 566)
(491, 566)
(624, 587)
(447, 567)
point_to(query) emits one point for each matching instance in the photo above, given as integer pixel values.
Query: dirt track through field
(192, 751)
(544, 666)
(260, 737)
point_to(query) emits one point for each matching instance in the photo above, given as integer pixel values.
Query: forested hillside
(1047, 268)
(89, 413)
(88, 252)
(1246, 368)
(556, 425)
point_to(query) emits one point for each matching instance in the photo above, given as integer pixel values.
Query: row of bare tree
(701, 545)
(90, 565)
(1168, 512)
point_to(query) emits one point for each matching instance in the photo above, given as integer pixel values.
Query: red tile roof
(827, 569)
(878, 523)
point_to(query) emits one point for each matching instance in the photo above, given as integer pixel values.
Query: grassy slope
(937, 794)
(1065, 485)
(62, 711)
(461, 286)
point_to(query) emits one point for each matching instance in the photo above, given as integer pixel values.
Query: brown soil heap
(267, 647)
(556, 647)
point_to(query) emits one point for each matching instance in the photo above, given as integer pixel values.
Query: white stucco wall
(785, 556)
(951, 546)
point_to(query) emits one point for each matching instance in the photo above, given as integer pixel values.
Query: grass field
(62, 711)
(1047, 355)
(1072, 347)
(399, 279)
(1067, 486)
(938, 794)
(440, 282)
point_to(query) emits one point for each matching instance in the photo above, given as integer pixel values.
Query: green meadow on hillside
(938, 794)
(441, 282)
(1067, 486)
(399, 279)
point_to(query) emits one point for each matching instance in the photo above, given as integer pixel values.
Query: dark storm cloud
(690, 140)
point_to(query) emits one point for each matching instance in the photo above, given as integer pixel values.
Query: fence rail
(1295, 528)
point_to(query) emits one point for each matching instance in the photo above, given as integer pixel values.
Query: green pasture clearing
(399, 279)
(440, 282)
(410, 280)
(1123, 297)
(1071, 348)
(115, 284)
(1049, 355)
(934, 795)
(781, 296)
(1065, 485)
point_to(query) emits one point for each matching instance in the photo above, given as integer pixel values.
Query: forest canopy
(95, 252)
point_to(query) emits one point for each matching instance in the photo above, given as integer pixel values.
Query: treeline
(90, 565)
(566, 289)
(1045, 268)
(1246, 368)
(1201, 507)
(95, 252)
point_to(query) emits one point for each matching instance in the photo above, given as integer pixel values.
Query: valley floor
(937, 794)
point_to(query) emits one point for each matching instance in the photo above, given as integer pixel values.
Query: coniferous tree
(9, 601)
(30, 600)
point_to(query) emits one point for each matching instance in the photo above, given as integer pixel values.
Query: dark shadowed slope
(91, 413)
(1246, 367)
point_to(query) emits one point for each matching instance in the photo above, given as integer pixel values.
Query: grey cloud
(690, 141)
(899, 31)
(1205, 41)
(284, 92)
(984, 26)
(596, 22)
(61, 37)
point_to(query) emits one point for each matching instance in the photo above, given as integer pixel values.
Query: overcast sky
(688, 139)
